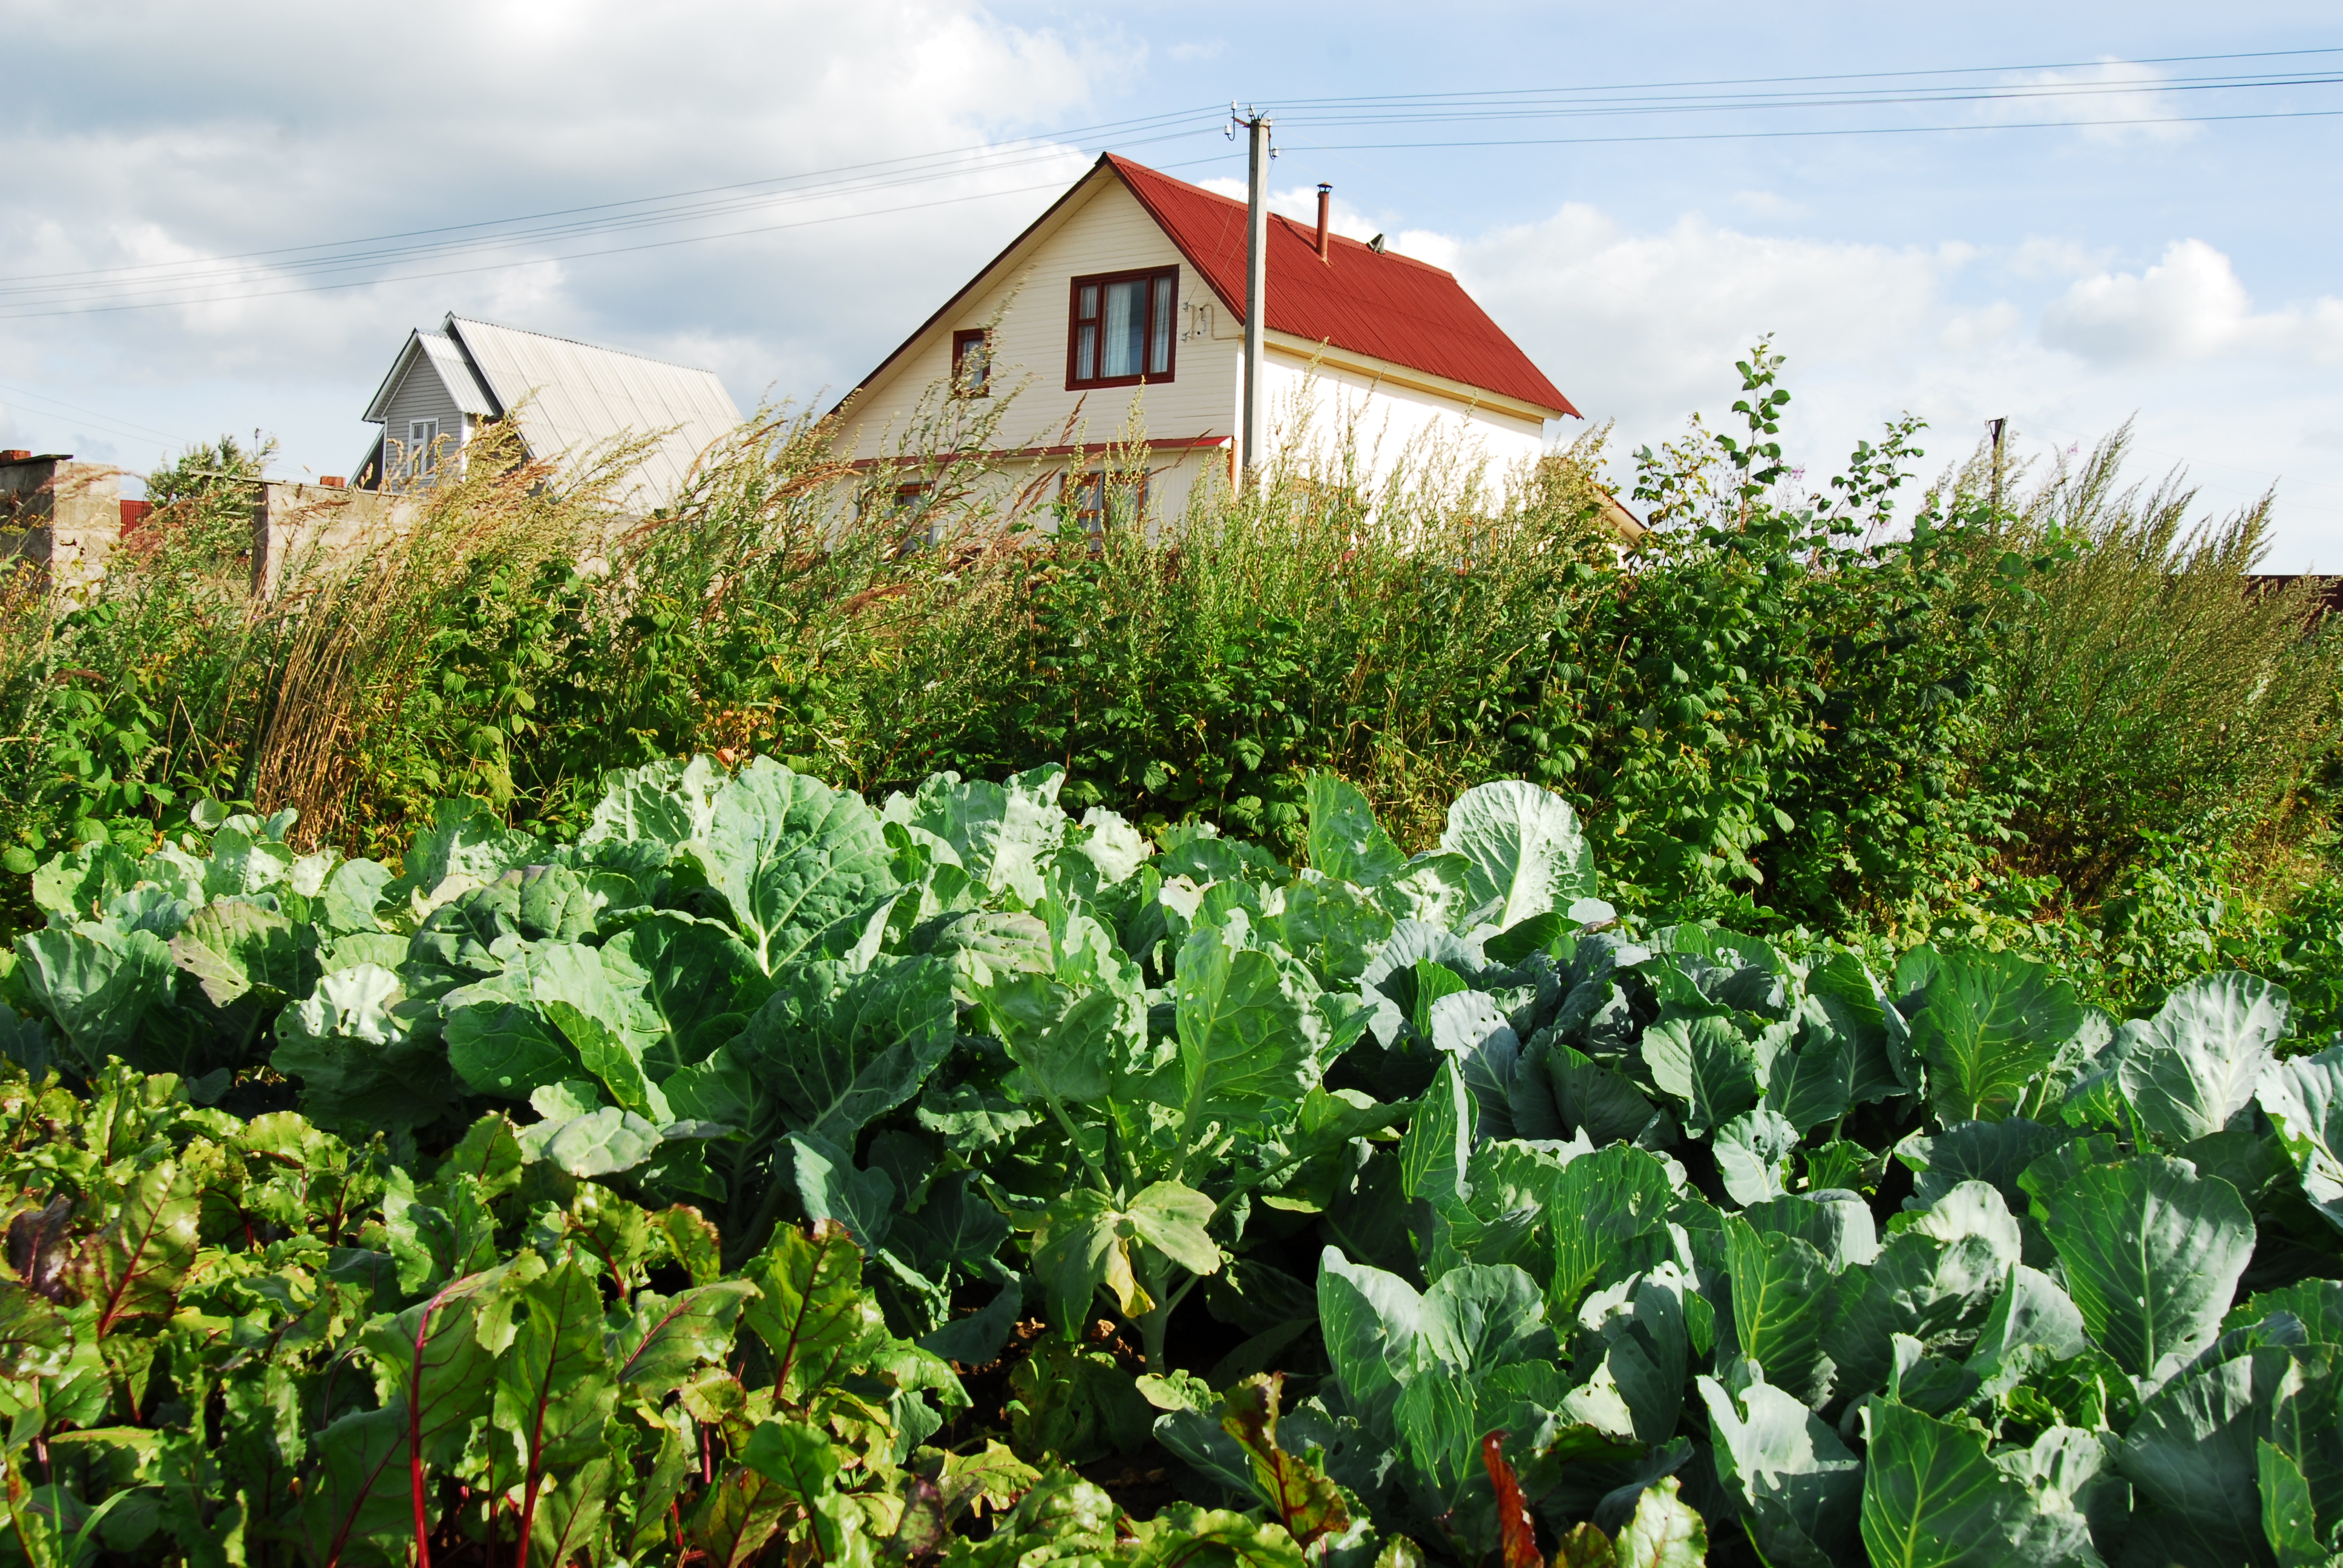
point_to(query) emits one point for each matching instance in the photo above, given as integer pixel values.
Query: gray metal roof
(441, 353)
(462, 385)
(569, 398)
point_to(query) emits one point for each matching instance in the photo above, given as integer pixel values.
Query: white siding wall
(422, 395)
(1110, 231)
(1384, 425)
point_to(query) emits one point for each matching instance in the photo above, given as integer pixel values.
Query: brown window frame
(1168, 279)
(909, 503)
(1078, 486)
(963, 340)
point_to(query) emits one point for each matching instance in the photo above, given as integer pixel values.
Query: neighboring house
(1131, 288)
(569, 400)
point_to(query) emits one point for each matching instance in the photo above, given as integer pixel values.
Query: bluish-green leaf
(1781, 1306)
(1000, 832)
(1372, 1322)
(2194, 1065)
(830, 1187)
(1522, 848)
(98, 991)
(1800, 1488)
(2152, 1253)
(789, 856)
(1345, 839)
(1988, 1023)
(1249, 1036)
(838, 1047)
(1704, 1060)
(362, 1065)
(2304, 1100)
(1753, 1155)
(1478, 1317)
(1932, 1498)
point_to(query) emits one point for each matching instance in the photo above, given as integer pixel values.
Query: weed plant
(1861, 709)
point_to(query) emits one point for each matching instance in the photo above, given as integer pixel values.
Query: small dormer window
(422, 443)
(1120, 331)
(971, 365)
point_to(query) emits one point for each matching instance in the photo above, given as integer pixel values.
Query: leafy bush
(2072, 728)
(760, 1168)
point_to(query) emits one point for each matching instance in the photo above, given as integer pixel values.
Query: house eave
(378, 407)
(1291, 347)
(1031, 235)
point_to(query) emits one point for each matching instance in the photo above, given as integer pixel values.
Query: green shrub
(677, 1188)
(1839, 710)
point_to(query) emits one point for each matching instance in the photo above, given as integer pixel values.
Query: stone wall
(299, 528)
(63, 515)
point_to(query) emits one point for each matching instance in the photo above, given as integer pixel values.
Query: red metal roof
(1397, 310)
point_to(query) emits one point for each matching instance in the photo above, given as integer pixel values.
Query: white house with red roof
(1122, 307)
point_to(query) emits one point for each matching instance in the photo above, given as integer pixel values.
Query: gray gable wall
(569, 401)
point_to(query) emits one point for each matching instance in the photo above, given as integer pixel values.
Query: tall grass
(2147, 688)
(1788, 711)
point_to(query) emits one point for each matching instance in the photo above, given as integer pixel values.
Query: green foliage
(651, 1176)
(2071, 729)
(619, 1168)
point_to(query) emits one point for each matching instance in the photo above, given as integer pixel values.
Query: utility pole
(1997, 426)
(1252, 455)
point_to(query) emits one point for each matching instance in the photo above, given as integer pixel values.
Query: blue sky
(2070, 277)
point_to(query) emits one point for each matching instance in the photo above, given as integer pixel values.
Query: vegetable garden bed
(767, 1176)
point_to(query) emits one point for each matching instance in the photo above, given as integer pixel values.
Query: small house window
(422, 438)
(972, 370)
(1096, 501)
(1121, 328)
(908, 511)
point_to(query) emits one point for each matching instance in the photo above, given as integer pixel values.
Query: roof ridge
(1299, 226)
(1414, 315)
(576, 343)
(1411, 314)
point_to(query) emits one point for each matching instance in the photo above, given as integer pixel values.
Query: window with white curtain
(1121, 328)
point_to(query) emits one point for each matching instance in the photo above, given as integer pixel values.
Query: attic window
(422, 446)
(972, 370)
(1121, 328)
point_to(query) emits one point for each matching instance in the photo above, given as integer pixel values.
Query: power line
(125, 429)
(535, 261)
(165, 284)
(1116, 127)
(1803, 102)
(1292, 103)
(196, 274)
(1829, 131)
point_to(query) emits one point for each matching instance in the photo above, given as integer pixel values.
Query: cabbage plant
(768, 1172)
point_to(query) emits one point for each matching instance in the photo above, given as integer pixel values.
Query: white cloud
(1972, 330)
(1640, 324)
(1640, 327)
(2101, 98)
(2190, 306)
(519, 106)
(1766, 203)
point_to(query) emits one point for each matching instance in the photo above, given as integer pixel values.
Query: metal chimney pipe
(1325, 203)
